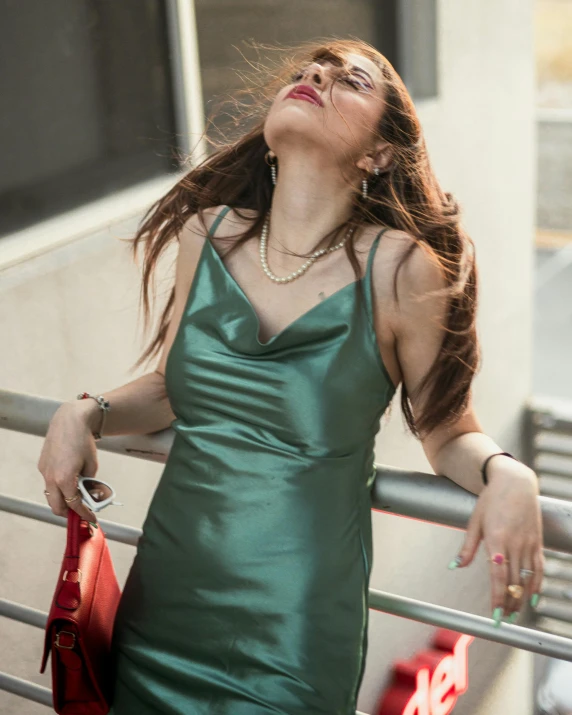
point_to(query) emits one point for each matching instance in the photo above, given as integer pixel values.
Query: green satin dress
(248, 591)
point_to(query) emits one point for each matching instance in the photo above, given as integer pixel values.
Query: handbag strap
(69, 593)
(74, 523)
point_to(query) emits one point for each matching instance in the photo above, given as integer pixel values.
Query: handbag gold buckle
(61, 645)
(72, 571)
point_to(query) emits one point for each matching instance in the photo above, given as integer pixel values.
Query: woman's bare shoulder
(236, 220)
(420, 274)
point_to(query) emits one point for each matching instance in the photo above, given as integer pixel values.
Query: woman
(320, 266)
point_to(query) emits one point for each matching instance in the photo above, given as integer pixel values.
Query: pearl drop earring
(364, 186)
(270, 158)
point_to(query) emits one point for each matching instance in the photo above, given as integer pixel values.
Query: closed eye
(354, 82)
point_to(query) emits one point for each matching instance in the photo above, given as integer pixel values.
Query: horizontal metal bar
(42, 512)
(548, 608)
(26, 689)
(31, 414)
(550, 625)
(23, 614)
(559, 555)
(413, 494)
(557, 591)
(563, 472)
(428, 497)
(509, 634)
(38, 693)
(417, 495)
(461, 621)
(397, 605)
(555, 450)
(551, 414)
(561, 570)
(17, 686)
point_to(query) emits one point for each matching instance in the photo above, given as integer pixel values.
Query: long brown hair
(406, 197)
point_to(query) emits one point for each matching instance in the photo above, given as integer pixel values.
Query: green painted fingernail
(455, 562)
(94, 524)
(513, 616)
(534, 600)
(497, 616)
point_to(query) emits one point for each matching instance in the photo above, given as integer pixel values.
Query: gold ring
(515, 590)
(77, 496)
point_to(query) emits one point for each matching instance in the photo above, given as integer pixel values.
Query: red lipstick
(304, 91)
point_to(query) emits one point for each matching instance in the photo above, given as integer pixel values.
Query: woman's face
(328, 107)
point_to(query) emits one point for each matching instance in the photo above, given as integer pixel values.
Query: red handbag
(80, 623)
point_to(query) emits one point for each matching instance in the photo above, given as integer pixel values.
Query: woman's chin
(294, 126)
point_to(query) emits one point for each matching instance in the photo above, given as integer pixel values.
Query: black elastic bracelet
(484, 467)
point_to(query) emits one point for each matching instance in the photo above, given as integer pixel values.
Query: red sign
(431, 682)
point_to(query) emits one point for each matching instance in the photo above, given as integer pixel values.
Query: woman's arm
(142, 406)
(507, 515)
(138, 407)
(458, 450)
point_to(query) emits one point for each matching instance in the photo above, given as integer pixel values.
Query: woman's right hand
(69, 451)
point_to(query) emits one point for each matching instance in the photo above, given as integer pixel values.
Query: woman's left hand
(507, 517)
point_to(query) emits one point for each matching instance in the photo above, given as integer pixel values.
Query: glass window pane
(86, 103)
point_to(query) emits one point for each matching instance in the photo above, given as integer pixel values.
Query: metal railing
(425, 497)
(548, 433)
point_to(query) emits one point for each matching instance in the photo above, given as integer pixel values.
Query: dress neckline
(292, 325)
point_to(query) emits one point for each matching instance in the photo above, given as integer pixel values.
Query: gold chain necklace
(303, 268)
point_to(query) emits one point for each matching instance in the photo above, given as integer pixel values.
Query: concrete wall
(69, 323)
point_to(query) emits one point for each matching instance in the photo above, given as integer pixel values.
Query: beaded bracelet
(104, 406)
(484, 467)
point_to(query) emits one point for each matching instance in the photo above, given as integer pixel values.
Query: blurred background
(103, 105)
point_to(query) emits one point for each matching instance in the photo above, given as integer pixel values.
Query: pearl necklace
(311, 259)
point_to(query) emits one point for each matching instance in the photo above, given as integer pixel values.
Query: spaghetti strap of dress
(221, 214)
(367, 276)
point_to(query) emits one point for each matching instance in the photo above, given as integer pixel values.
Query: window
(86, 103)
(407, 29)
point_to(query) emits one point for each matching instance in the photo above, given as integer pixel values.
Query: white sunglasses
(96, 494)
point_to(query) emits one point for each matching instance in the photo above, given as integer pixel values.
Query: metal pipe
(42, 512)
(30, 414)
(417, 495)
(186, 77)
(509, 634)
(26, 689)
(426, 497)
(436, 499)
(23, 614)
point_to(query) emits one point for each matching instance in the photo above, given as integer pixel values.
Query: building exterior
(95, 100)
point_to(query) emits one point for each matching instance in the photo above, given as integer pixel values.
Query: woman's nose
(315, 73)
